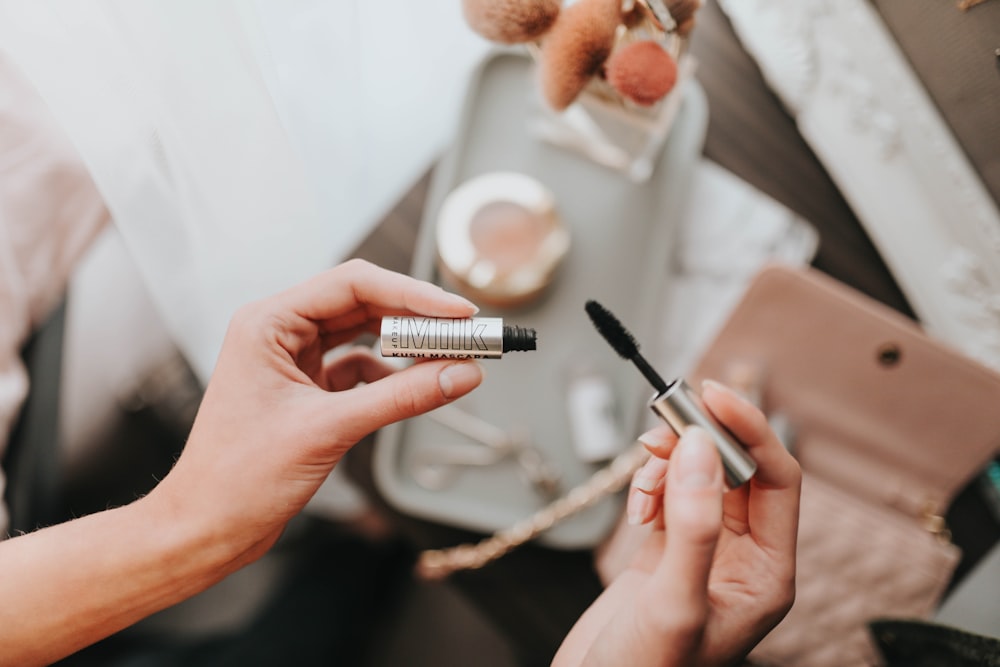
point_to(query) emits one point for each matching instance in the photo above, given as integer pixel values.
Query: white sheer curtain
(243, 145)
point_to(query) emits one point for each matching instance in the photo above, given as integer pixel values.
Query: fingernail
(462, 300)
(459, 379)
(656, 437)
(638, 508)
(717, 386)
(647, 484)
(695, 463)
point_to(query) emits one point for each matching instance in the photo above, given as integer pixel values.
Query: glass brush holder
(607, 127)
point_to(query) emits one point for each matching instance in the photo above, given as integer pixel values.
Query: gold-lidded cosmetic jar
(500, 238)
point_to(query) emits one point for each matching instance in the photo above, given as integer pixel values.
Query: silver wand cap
(681, 407)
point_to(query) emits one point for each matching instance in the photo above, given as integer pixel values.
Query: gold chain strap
(437, 564)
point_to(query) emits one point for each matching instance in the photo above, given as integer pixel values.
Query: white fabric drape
(242, 146)
(50, 212)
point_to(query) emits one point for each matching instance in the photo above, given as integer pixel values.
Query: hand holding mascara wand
(714, 572)
(676, 402)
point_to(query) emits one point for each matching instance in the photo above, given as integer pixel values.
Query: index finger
(357, 283)
(773, 506)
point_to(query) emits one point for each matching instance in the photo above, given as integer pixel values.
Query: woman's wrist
(77, 582)
(194, 541)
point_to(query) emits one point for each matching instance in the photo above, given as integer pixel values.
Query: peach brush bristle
(510, 21)
(642, 72)
(576, 47)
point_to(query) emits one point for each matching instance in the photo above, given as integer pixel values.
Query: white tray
(621, 253)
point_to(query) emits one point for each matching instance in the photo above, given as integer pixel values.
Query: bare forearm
(67, 586)
(275, 418)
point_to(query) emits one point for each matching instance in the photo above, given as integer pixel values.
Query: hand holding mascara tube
(279, 412)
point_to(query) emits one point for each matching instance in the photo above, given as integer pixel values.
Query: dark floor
(434, 625)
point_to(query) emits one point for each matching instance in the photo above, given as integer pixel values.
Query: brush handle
(680, 407)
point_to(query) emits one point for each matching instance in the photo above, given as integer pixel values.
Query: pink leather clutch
(889, 425)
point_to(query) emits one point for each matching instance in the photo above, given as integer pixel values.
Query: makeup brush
(510, 21)
(642, 72)
(623, 343)
(575, 48)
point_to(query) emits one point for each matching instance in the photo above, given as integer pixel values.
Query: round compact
(500, 238)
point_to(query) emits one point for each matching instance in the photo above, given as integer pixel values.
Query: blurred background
(163, 163)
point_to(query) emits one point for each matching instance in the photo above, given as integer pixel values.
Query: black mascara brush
(623, 343)
(675, 403)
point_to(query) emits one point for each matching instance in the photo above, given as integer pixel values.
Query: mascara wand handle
(649, 373)
(680, 407)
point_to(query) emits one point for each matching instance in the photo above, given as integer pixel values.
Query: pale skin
(278, 415)
(718, 571)
(274, 421)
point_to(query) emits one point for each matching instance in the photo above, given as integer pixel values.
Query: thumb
(412, 391)
(693, 515)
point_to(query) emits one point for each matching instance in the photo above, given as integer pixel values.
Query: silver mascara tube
(681, 407)
(452, 338)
